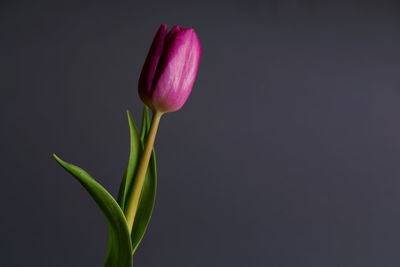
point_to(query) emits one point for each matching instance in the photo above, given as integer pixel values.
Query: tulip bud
(170, 69)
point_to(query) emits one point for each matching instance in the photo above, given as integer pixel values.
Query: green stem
(134, 197)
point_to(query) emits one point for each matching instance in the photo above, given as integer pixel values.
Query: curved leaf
(148, 195)
(120, 246)
(135, 149)
(146, 204)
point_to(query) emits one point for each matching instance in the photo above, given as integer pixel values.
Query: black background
(286, 154)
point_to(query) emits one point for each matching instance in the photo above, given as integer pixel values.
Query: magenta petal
(150, 65)
(171, 34)
(177, 70)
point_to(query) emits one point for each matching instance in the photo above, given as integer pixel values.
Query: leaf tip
(60, 161)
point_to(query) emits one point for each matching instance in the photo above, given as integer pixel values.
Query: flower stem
(134, 197)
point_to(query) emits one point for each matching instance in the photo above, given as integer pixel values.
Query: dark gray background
(286, 154)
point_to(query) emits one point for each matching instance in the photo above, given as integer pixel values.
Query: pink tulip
(170, 69)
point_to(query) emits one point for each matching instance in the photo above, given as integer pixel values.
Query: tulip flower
(170, 69)
(165, 83)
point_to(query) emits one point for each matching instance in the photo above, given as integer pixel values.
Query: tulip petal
(150, 65)
(176, 70)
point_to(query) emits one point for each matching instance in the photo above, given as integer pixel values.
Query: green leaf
(148, 195)
(135, 150)
(145, 124)
(120, 246)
